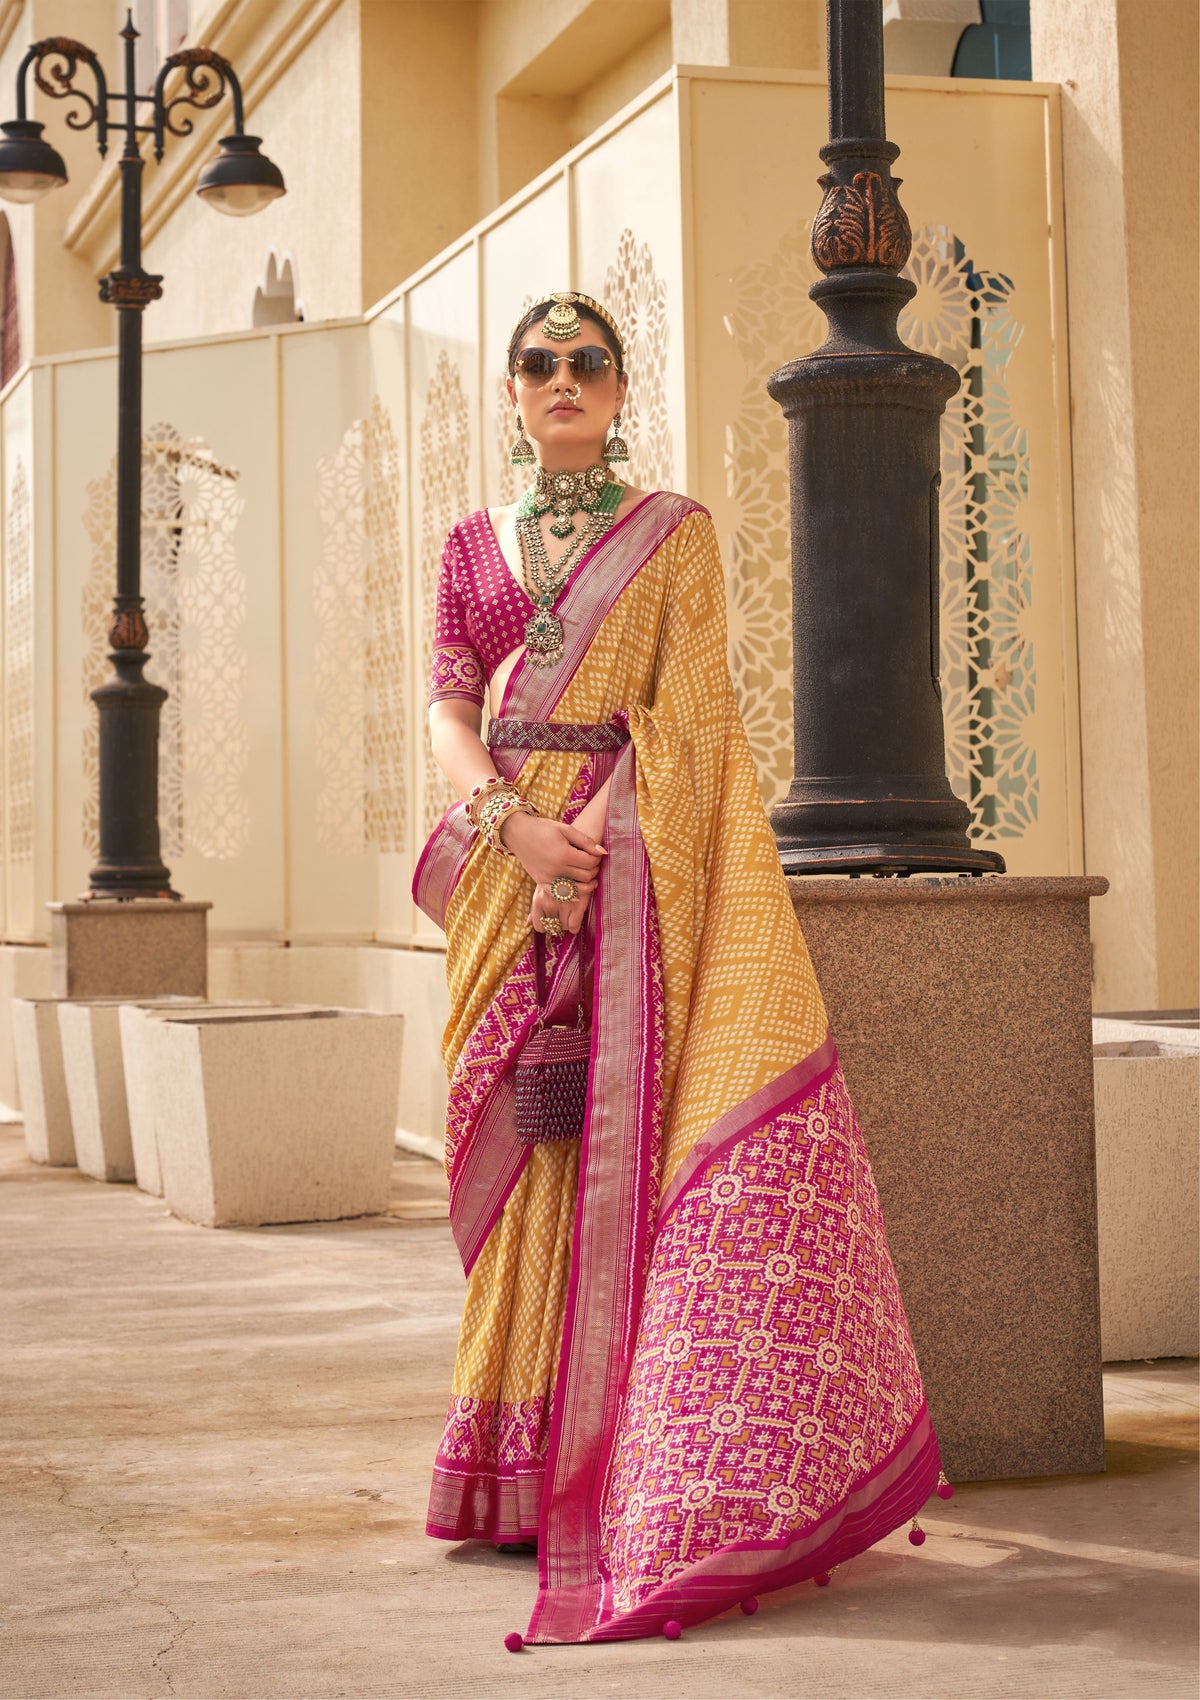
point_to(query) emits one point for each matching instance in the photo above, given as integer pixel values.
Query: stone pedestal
(145, 948)
(961, 1010)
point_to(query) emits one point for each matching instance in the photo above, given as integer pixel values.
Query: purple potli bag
(552, 1068)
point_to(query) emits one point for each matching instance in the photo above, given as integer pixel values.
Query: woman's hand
(570, 914)
(547, 848)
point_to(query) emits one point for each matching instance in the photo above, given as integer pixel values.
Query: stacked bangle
(480, 794)
(489, 805)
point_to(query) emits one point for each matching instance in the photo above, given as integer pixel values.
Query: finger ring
(553, 927)
(564, 888)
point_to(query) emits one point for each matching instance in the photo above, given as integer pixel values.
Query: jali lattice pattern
(445, 499)
(195, 594)
(18, 667)
(359, 660)
(636, 297)
(965, 317)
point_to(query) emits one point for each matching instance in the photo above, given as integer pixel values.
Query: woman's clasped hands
(548, 849)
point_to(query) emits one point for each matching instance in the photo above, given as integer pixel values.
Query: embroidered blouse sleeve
(456, 669)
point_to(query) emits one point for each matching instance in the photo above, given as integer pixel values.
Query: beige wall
(398, 124)
(1129, 152)
(550, 71)
(539, 61)
(57, 301)
(419, 160)
(766, 34)
(309, 122)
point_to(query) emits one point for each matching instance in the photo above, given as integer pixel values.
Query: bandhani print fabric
(684, 1366)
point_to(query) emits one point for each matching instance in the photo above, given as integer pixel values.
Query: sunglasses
(538, 366)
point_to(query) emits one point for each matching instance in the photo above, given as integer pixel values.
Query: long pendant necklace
(564, 494)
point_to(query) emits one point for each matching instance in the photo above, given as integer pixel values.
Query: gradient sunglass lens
(538, 365)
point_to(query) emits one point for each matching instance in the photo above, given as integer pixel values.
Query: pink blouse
(481, 612)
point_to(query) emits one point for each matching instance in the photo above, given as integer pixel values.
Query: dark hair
(535, 315)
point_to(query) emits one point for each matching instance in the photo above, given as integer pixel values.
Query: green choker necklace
(565, 494)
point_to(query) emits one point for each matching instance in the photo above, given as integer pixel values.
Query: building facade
(324, 398)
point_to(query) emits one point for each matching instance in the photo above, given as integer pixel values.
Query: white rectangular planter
(91, 1054)
(137, 1068)
(1147, 1110)
(44, 1104)
(283, 1116)
(89, 1031)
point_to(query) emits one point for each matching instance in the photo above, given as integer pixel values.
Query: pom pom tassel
(514, 1641)
(945, 1489)
(749, 1606)
(916, 1534)
(672, 1629)
(823, 1579)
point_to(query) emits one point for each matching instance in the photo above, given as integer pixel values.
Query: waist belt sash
(555, 735)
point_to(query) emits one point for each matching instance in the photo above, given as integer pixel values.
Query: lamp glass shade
(29, 167)
(241, 180)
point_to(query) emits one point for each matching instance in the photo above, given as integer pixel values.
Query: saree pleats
(488, 1475)
(684, 1361)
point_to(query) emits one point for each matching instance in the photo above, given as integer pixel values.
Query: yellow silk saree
(684, 1365)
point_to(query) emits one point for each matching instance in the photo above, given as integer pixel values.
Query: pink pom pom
(749, 1606)
(672, 1630)
(916, 1536)
(823, 1580)
(945, 1489)
(514, 1641)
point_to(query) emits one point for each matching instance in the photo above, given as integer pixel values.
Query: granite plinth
(961, 1012)
(146, 948)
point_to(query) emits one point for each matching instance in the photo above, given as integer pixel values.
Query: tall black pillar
(870, 792)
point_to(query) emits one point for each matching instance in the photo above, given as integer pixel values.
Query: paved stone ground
(215, 1454)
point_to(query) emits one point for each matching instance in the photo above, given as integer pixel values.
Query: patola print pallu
(684, 1366)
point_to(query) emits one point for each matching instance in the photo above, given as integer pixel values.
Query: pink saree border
(512, 1497)
(881, 1502)
(786, 1092)
(613, 1221)
(533, 692)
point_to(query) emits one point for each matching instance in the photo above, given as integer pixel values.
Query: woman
(684, 1369)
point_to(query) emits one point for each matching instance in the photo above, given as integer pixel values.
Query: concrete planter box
(1147, 1111)
(93, 1067)
(138, 1072)
(279, 1116)
(42, 1083)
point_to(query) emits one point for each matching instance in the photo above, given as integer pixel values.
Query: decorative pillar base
(962, 1014)
(137, 948)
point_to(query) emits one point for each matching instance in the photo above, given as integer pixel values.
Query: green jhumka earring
(616, 450)
(521, 453)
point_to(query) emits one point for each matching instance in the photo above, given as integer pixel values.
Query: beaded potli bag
(552, 1068)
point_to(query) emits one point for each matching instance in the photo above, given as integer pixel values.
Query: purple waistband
(555, 735)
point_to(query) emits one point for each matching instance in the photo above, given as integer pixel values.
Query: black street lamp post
(870, 793)
(240, 180)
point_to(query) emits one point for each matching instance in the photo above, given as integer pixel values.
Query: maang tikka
(521, 453)
(616, 449)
